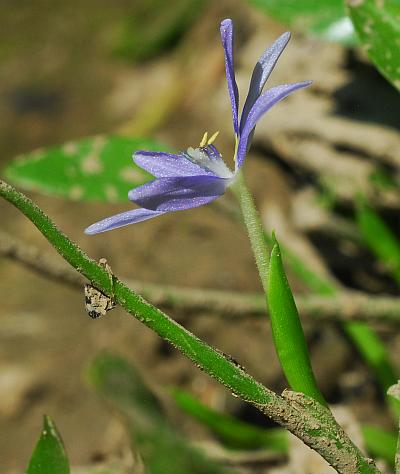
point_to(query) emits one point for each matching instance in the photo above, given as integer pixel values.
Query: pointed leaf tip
(49, 456)
(288, 335)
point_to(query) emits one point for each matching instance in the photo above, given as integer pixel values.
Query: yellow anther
(212, 139)
(204, 140)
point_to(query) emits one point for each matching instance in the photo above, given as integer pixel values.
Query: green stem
(397, 457)
(310, 422)
(363, 337)
(394, 393)
(345, 307)
(289, 340)
(254, 228)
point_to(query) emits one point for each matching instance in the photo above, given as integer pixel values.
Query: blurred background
(154, 70)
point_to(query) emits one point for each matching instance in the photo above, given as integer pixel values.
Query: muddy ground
(61, 81)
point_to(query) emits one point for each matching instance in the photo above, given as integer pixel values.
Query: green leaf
(326, 19)
(117, 381)
(376, 355)
(287, 332)
(377, 24)
(394, 392)
(94, 168)
(382, 179)
(162, 450)
(304, 273)
(365, 339)
(233, 432)
(49, 456)
(379, 239)
(385, 246)
(380, 443)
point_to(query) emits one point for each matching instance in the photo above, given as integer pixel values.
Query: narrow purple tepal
(199, 175)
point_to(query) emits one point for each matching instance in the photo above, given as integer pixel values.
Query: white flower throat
(209, 159)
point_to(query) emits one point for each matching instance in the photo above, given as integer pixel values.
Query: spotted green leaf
(94, 168)
(377, 24)
(325, 19)
(49, 456)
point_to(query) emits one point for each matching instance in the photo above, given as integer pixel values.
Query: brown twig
(349, 306)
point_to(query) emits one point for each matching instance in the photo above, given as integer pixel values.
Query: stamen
(236, 150)
(201, 156)
(204, 140)
(212, 139)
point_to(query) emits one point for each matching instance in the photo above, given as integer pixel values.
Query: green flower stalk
(286, 327)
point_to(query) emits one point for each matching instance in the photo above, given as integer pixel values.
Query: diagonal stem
(313, 424)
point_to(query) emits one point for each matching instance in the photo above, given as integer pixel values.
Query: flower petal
(121, 220)
(166, 165)
(174, 194)
(226, 30)
(261, 73)
(261, 106)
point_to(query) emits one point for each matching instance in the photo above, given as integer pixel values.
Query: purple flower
(198, 176)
